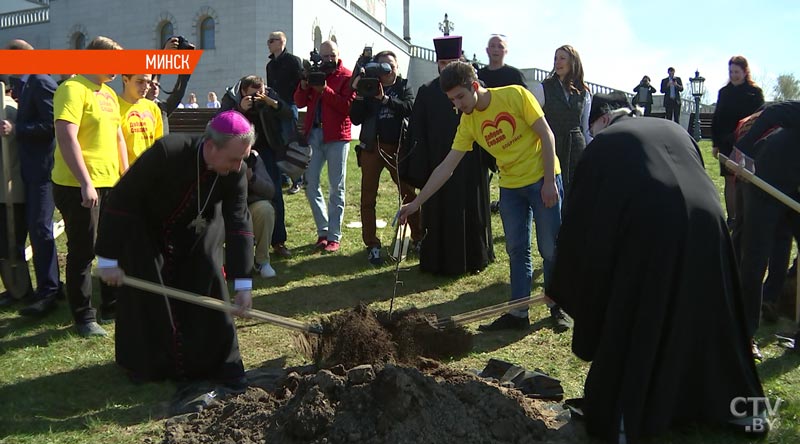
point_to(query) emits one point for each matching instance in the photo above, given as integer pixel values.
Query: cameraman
(389, 107)
(265, 110)
(327, 129)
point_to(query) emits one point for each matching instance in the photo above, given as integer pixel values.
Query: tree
(787, 88)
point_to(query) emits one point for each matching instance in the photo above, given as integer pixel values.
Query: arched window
(165, 33)
(78, 40)
(207, 33)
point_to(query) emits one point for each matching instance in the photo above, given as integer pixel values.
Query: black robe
(645, 266)
(456, 220)
(144, 220)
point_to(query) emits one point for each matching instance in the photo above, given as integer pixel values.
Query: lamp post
(698, 89)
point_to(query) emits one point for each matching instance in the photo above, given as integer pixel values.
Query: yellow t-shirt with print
(504, 130)
(142, 125)
(94, 108)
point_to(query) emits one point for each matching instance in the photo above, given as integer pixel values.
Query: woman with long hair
(737, 100)
(566, 102)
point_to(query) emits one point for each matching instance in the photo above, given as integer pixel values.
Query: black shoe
(494, 206)
(60, 293)
(107, 315)
(39, 308)
(560, 319)
(6, 300)
(756, 352)
(90, 329)
(506, 322)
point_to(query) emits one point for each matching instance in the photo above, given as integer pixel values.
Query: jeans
(518, 207)
(80, 226)
(327, 218)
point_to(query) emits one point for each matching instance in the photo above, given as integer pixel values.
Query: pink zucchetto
(231, 122)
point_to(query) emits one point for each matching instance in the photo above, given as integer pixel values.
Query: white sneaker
(267, 271)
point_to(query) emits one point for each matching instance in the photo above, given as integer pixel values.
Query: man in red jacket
(327, 128)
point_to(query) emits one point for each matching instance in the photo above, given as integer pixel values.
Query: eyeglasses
(273, 40)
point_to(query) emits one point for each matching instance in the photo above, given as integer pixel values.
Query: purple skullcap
(230, 122)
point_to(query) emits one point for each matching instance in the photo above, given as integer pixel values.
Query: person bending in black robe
(165, 221)
(457, 235)
(777, 161)
(645, 266)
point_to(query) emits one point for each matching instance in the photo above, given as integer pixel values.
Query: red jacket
(336, 99)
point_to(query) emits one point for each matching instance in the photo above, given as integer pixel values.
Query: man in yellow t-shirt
(510, 125)
(142, 123)
(89, 159)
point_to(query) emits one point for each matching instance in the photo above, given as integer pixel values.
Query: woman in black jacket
(737, 100)
(644, 95)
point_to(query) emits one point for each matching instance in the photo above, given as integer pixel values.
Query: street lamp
(698, 89)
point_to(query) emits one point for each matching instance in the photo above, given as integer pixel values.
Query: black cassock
(456, 221)
(645, 266)
(144, 221)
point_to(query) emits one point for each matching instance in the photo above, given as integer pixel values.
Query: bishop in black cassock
(645, 266)
(166, 220)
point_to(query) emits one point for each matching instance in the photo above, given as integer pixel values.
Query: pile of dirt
(362, 336)
(373, 404)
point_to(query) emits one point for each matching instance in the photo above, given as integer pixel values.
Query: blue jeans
(328, 219)
(518, 207)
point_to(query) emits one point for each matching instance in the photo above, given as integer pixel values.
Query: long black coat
(456, 219)
(144, 221)
(645, 266)
(733, 104)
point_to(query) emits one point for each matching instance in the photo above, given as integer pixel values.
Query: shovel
(216, 304)
(488, 312)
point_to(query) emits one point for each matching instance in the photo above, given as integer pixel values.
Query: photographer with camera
(178, 90)
(326, 93)
(265, 110)
(382, 106)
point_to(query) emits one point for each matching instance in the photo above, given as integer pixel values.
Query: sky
(619, 41)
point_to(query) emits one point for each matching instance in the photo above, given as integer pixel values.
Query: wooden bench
(194, 121)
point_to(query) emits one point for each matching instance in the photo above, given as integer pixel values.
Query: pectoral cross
(455, 109)
(199, 224)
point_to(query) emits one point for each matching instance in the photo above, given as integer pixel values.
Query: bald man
(327, 129)
(497, 73)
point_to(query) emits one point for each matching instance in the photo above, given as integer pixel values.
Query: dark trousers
(372, 164)
(762, 218)
(279, 230)
(14, 273)
(672, 109)
(648, 108)
(80, 225)
(39, 207)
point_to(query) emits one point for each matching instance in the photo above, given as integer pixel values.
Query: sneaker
(322, 242)
(560, 319)
(374, 256)
(332, 247)
(295, 188)
(506, 322)
(90, 329)
(267, 271)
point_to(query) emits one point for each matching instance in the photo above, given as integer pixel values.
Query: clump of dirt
(373, 404)
(362, 336)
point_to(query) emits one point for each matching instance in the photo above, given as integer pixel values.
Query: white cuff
(242, 284)
(103, 262)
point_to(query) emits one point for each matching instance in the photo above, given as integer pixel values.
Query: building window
(207, 33)
(78, 40)
(165, 33)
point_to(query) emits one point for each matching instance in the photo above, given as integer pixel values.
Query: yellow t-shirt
(504, 130)
(94, 108)
(141, 125)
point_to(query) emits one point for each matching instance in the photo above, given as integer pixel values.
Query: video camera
(312, 69)
(183, 43)
(370, 71)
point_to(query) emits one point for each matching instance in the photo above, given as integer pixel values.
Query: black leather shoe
(281, 251)
(6, 300)
(39, 308)
(506, 322)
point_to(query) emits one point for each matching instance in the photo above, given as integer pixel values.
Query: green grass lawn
(56, 387)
